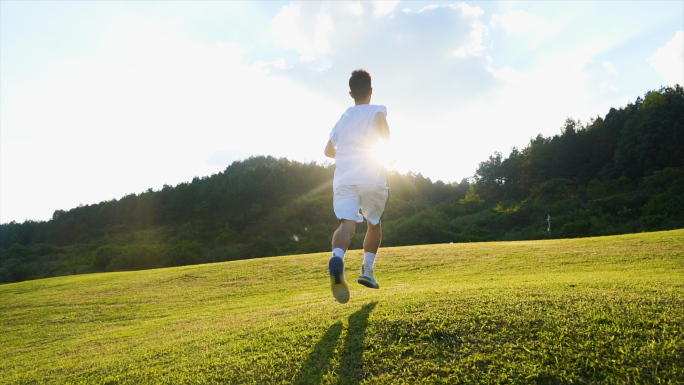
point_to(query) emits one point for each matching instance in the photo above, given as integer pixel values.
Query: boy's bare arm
(381, 124)
(383, 129)
(330, 150)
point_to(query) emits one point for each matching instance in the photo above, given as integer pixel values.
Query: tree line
(618, 174)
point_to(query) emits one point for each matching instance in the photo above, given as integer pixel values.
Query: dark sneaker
(338, 286)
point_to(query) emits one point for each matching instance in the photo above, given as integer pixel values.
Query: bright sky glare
(102, 99)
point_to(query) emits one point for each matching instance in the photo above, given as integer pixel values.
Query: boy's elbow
(330, 150)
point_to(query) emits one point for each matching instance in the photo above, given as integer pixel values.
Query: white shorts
(368, 198)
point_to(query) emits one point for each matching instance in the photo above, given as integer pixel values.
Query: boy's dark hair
(360, 84)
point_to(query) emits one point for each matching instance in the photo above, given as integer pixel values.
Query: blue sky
(103, 99)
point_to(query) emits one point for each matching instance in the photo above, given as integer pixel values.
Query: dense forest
(619, 174)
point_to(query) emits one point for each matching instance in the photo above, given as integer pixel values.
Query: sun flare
(383, 153)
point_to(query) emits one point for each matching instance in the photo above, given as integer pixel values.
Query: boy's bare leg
(370, 246)
(340, 243)
(343, 235)
(371, 243)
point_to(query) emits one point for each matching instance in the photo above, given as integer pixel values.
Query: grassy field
(603, 310)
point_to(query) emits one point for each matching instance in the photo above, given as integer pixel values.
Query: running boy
(359, 183)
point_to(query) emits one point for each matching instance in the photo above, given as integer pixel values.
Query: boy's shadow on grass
(351, 362)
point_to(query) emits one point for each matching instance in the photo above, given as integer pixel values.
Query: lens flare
(383, 153)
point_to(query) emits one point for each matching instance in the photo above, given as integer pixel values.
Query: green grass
(603, 310)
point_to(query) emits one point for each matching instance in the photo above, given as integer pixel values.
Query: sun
(382, 151)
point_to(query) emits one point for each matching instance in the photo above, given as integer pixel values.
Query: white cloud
(610, 70)
(308, 34)
(278, 63)
(428, 8)
(669, 60)
(477, 32)
(605, 86)
(435, 42)
(384, 7)
(356, 8)
(509, 74)
(518, 21)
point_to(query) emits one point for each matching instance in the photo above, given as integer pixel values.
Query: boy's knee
(348, 225)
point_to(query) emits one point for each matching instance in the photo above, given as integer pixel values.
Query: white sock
(338, 253)
(369, 259)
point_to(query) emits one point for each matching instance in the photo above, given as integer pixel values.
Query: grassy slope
(605, 309)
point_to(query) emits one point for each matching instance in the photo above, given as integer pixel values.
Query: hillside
(623, 173)
(606, 309)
